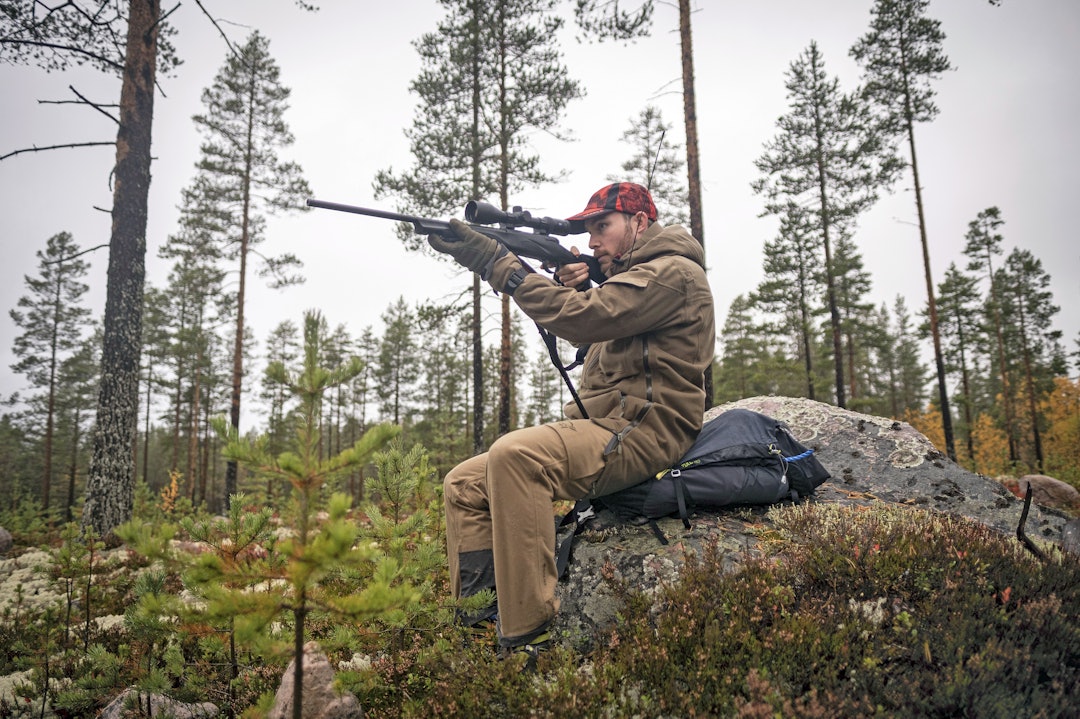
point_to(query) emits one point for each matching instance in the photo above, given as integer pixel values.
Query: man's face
(612, 235)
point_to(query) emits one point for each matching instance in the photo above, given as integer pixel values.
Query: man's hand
(574, 274)
(471, 249)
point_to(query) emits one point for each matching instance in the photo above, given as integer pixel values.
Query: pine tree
(656, 164)
(900, 55)
(492, 75)
(958, 300)
(195, 291)
(792, 268)
(744, 366)
(124, 39)
(443, 390)
(983, 244)
(398, 367)
(852, 285)
(1027, 313)
(282, 347)
(911, 374)
(318, 547)
(544, 384)
(606, 20)
(157, 347)
(337, 350)
(242, 177)
(829, 158)
(78, 375)
(51, 318)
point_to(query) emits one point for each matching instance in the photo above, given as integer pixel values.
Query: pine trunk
(939, 360)
(693, 156)
(110, 481)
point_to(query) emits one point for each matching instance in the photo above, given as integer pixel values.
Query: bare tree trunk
(50, 420)
(1029, 388)
(73, 467)
(477, 342)
(693, 166)
(146, 432)
(110, 483)
(1006, 389)
(939, 360)
(193, 426)
(804, 314)
(830, 282)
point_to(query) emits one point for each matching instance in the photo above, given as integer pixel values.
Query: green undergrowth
(855, 612)
(851, 612)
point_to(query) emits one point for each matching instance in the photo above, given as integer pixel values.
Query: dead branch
(71, 257)
(221, 32)
(35, 148)
(83, 100)
(1024, 539)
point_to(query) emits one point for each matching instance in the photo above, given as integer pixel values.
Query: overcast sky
(1006, 136)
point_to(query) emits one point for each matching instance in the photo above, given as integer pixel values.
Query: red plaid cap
(627, 197)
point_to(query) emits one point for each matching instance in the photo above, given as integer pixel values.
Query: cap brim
(577, 222)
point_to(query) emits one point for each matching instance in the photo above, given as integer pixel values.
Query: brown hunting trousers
(499, 515)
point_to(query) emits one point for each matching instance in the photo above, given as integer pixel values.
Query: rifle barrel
(384, 214)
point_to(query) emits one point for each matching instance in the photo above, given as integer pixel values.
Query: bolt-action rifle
(536, 245)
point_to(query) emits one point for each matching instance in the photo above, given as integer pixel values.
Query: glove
(471, 249)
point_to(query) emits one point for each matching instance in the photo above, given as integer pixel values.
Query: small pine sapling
(319, 545)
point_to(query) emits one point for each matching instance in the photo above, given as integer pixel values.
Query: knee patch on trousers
(477, 571)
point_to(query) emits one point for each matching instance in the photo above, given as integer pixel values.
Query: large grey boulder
(5, 541)
(1049, 491)
(320, 699)
(872, 460)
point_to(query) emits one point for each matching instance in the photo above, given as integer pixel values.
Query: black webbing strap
(553, 353)
(658, 532)
(680, 496)
(581, 513)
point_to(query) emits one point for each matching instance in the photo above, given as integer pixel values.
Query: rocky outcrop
(5, 541)
(871, 459)
(160, 706)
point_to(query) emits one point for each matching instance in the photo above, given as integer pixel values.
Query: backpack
(740, 457)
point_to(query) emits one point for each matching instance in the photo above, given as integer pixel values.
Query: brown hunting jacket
(651, 332)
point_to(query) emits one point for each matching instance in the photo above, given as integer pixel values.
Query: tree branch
(35, 148)
(1020, 534)
(82, 101)
(165, 16)
(71, 257)
(221, 32)
(66, 48)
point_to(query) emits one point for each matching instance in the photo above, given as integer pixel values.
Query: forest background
(1001, 140)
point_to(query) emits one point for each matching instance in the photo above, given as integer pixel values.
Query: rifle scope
(484, 213)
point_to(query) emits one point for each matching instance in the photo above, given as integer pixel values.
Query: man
(651, 333)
